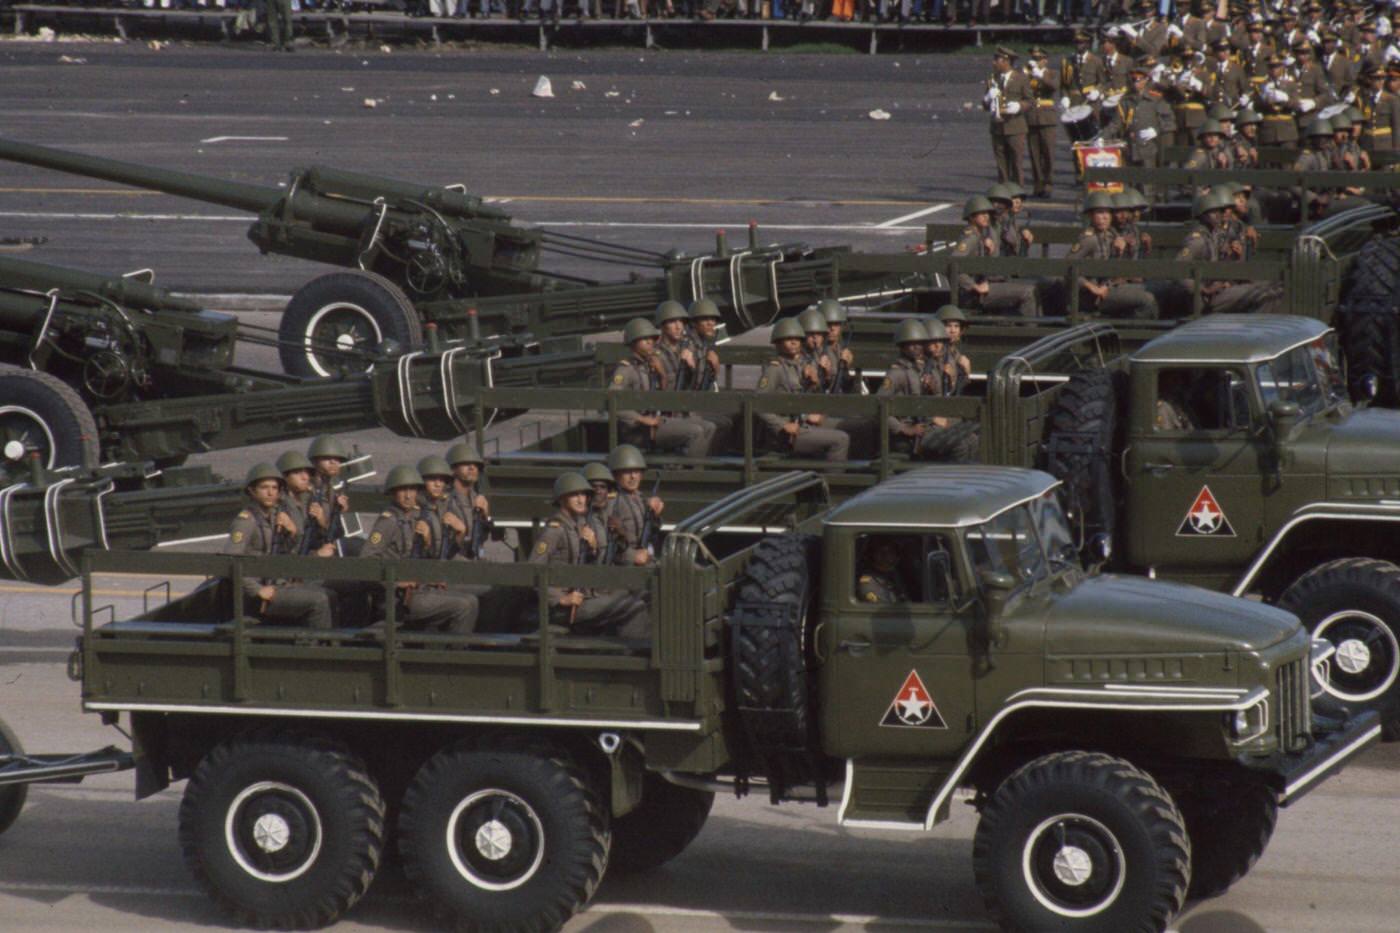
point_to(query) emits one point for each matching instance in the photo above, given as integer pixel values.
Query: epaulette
(386, 514)
(245, 514)
(612, 495)
(865, 579)
(552, 523)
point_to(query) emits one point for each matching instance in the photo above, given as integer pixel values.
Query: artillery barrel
(129, 293)
(234, 194)
(333, 181)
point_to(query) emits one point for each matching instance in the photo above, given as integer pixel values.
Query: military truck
(1125, 741)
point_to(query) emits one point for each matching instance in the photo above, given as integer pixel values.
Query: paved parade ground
(656, 150)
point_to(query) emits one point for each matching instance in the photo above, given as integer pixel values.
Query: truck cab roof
(1232, 338)
(942, 496)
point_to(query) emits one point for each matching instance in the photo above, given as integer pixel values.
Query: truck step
(896, 793)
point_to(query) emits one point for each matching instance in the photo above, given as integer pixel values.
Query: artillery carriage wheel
(12, 796)
(40, 413)
(282, 829)
(661, 827)
(334, 320)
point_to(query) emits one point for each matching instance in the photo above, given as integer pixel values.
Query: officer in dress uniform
(1008, 99)
(1042, 120)
(1141, 119)
(1098, 241)
(1278, 104)
(803, 435)
(979, 290)
(628, 511)
(1082, 75)
(569, 538)
(642, 372)
(262, 529)
(879, 580)
(1230, 85)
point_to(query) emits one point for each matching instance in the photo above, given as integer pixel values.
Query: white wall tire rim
(14, 451)
(265, 829)
(1065, 858)
(1387, 641)
(309, 340)
(488, 841)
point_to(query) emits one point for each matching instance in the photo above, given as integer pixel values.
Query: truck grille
(1293, 710)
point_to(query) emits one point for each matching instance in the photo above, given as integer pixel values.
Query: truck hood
(1112, 614)
(1364, 445)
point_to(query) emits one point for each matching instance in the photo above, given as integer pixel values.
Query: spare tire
(41, 413)
(1366, 318)
(1082, 444)
(335, 319)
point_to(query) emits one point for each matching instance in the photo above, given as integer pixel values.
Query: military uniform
(1312, 160)
(1229, 83)
(1340, 71)
(785, 375)
(1141, 121)
(254, 533)
(1278, 101)
(1220, 157)
(1382, 108)
(601, 612)
(1169, 416)
(1124, 300)
(462, 504)
(881, 588)
(1002, 297)
(1042, 121)
(1115, 66)
(1193, 87)
(690, 436)
(955, 443)
(1203, 245)
(627, 515)
(429, 607)
(1081, 75)
(279, 24)
(1009, 129)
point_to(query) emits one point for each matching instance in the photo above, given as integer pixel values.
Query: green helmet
(1248, 116)
(977, 204)
(626, 457)
(1120, 201)
(292, 461)
(702, 308)
(327, 445)
(595, 472)
(670, 311)
(911, 330)
(786, 329)
(1220, 111)
(462, 452)
(570, 483)
(433, 465)
(1133, 198)
(637, 329)
(833, 310)
(812, 321)
(1318, 127)
(1014, 189)
(936, 330)
(951, 313)
(401, 476)
(1098, 201)
(1341, 123)
(260, 472)
(1208, 202)
(999, 192)
(1210, 126)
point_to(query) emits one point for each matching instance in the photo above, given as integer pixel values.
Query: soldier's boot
(822, 443)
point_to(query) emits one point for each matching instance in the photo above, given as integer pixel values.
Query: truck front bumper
(1333, 746)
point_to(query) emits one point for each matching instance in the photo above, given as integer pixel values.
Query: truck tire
(12, 796)
(506, 838)
(1082, 841)
(40, 412)
(1354, 603)
(354, 310)
(661, 827)
(1230, 823)
(1081, 443)
(1367, 321)
(282, 829)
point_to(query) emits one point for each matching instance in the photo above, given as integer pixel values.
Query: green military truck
(1125, 740)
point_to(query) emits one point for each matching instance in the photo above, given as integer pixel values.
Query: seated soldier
(702, 340)
(878, 580)
(955, 322)
(643, 371)
(328, 499)
(1170, 413)
(1099, 295)
(406, 531)
(600, 508)
(467, 503)
(635, 521)
(838, 344)
(933, 438)
(803, 435)
(299, 505)
(264, 529)
(988, 294)
(568, 538)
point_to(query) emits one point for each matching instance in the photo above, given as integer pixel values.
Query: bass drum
(1081, 122)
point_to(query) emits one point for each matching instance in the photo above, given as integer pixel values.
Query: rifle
(705, 375)
(614, 535)
(579, 558)
(651, 522)
(481, 530)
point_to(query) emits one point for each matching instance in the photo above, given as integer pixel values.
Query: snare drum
(1081, 122)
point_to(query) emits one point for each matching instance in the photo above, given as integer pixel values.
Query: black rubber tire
(1366, 586)
(362, 293)
(57, 407)
(1131, 811)
(1087, 411)
(570, 826)
(1230, 822)
(1368, 323)
(338, 790)
(661, 827)
(12, 796)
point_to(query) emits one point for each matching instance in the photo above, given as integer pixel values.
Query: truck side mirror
(997, 587)
(1284, 416)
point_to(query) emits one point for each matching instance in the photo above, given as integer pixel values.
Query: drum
(1081, 122)
(1103, 155)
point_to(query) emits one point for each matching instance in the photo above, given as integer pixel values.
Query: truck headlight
(1246, 725)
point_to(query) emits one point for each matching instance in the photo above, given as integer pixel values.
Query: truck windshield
(1008, 544)
(1308, 375)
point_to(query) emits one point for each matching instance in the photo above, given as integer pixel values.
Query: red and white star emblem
(1205, 518)
(913, 707)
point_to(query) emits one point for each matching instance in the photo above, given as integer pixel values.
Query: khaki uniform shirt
(780, 375)
(560, 543)
(253, 533)
(392, 536)
(880, 588)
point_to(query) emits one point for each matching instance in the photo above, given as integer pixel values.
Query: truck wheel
(1370, 331)
(1081, 841)
(12, 796)
(1229, 823)
(504, 839)
(1354, 603)
(1082, 439)
(41, 413)
(344, 311)
(661, 827)
(282, 830)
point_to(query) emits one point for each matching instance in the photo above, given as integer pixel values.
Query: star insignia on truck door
(913, 707)
(1205, 518)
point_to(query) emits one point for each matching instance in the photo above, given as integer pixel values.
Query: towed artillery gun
(422, 254)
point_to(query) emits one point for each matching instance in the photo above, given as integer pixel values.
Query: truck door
(897, 678)
(1194, 469)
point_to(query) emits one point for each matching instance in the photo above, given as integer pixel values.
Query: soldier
(1385, 112)
(803, 435)
(1278, 102)
(879, 580)
(933, 438)
(1116, 66)
(405, 530)
(678, 362)
(634, 519)
(328, 503)
(279, 25)
(569, 538)
(955, 322)
(1210, 153)
(704, 332)
(1206, 244)
(1082, 75)
(1153, 38)
(600, 506)
(1314, 90)
(1315, 156)
(1369, 53)
(1191, 89)
(1170, 412)
(838, 344)
(1237, 222)
(1003, 225)
(1244, 146)
(979, 290)
(818, 366)
(436, 498)
(1229, 85)
(467, 503)
(1257, 52)
(1140, 119)
(298, 504)
(1008, 99)
(1097, 241)
(1338, 67)
(1042, 120)
(262, 529)
(1125, 227)
(1346, 155)
(640, 373)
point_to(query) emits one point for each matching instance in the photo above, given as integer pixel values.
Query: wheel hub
(271, 832)
(1073, 866)
(493, 840)
(1367, 662)
(1353, 656)
(14, 450)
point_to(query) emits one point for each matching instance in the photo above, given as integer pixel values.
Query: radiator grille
(1291, 702)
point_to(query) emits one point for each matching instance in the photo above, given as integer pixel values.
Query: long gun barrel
(23, 275)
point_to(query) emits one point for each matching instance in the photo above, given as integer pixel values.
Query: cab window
(904, 569)
(1201, 399)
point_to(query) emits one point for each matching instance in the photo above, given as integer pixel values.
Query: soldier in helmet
(932, 438)
(1346, 155)
(955, 323)
(1135, 243)
(803, 435)
(634, 519)
(701, 341)
(600, 507)
(818, 366)
(1210, 151)
(1315, 156)
(642, 372)
(1244, 146)
(678, 361)
(262, 529)
(878, 580)
(407, 530)
(297, 503)
(437, 481)
(466, 501)
(978, 290)
(1206, 244)
(569, 538)
(1009, 243)
(328, 502)
(1102, 296)
(838, 343)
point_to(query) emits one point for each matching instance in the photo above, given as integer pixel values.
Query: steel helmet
(1120, 201)
(1098, 201)
(401, 476)
(261, 471)
(626, 457)
(638, 328)
(670, 311)
(936, 330)
(812, 321)
(1210, 126)
(569, 483)
(911, 330)
(433, 465)
(327, 445)
(1248, 116)
(1340, 123)
(462, 452)
(786, 329)
(999, 192)
(291, 461)
(595, 472)
(951, 313)
(833, 310)
(977, 204)
(1212, 201)
(1133, 198)
(1220, 111)
(1014, 189)
(1319, 127)
(703, 308)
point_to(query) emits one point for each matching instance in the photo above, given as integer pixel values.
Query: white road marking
(895, 222)
(253, 139)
